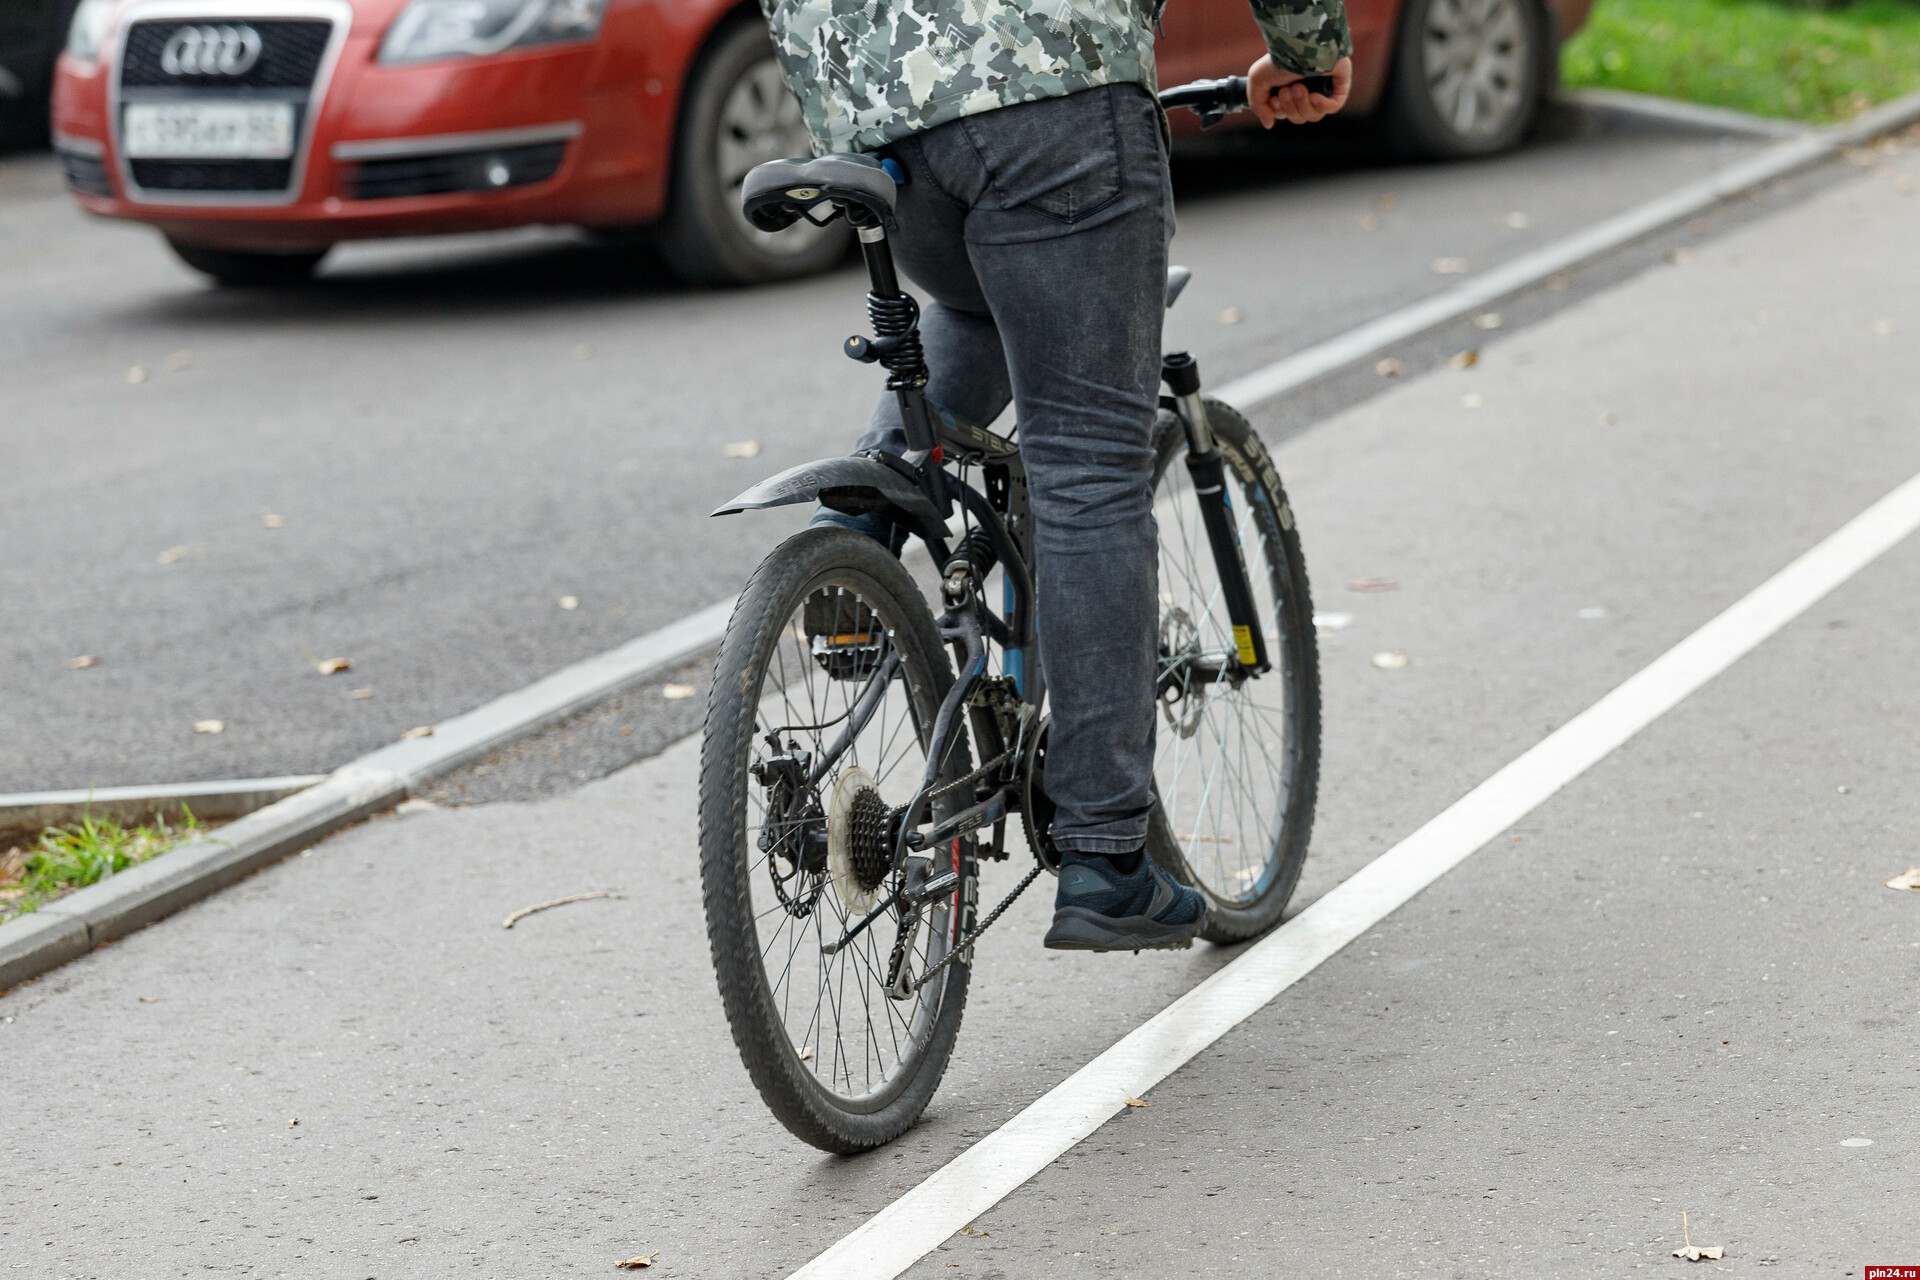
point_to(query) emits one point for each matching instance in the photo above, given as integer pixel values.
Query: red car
(256, 134)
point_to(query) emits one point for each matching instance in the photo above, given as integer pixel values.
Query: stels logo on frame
(211, 51)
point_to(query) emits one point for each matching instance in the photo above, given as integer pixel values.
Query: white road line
(912, 1226)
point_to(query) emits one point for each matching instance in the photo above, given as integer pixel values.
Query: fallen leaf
(806, 1053)
(415, 804)
(640, 1263)
(82, 662)
(1489, 320)
(1594, 611)
(1384, 202)
(423, 731)
(741, 449)
(1133, 1102)
(675, 692)
(1471, 400)
(1464, 360)
(361, 693)
(583, 352)
(1231, 316)
(1694, 1253)
(1518, 220)
(173, 555)
(524, 912)
(569, 603)
(1390, 661)
(1449, 266)
(292, 1122)
(149, 999)
(13, 865)
(331, 666)
(179, 360)
(1883, 327)
(209, 726)
(1560, 283)
(1609, 419)
(1910, 879)
(1332, 621)
(271, 521)
(1389, 368)
(1372, 584)
(1680, 257)
(1369, 223)
(136, 374)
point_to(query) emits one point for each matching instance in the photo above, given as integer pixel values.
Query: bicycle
(839, 798)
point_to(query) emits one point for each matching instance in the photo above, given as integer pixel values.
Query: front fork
(1209, 471)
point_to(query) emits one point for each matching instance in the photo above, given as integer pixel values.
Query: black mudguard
(855, 485)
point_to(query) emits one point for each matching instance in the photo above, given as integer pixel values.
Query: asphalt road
(1677, 986)
(456, 435)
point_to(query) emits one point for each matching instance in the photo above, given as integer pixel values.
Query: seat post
(896, 317)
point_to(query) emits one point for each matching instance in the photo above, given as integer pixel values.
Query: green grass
(67, 858)
(1760, 56)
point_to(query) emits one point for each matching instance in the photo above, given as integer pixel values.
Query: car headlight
(89, 30)
(429, 29)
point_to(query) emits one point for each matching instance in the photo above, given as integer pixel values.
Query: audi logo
(211, 51)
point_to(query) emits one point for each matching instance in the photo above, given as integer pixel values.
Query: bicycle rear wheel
(1236, 765)
(793, 850)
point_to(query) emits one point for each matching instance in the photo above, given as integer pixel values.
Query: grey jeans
(1037, 236)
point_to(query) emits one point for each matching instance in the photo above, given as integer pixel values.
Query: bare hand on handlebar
(1274, 94)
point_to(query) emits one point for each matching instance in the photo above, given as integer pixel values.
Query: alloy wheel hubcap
(1477, 62)
(760, 120)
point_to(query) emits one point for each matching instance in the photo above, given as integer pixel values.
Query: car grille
(491, 169)
(290, 53)
(85, 174)
(212, 175)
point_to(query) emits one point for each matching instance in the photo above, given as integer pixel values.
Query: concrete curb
(1530, 269)
(113, 908)
(1672, 111)
(233, 798)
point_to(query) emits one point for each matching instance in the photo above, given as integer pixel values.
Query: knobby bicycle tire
(786, 1052)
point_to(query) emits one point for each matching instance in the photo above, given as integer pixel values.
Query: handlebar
(1211, 100)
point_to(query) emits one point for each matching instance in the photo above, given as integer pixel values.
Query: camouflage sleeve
(1304, 36)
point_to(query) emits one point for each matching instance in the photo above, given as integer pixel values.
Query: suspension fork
(1182, 374)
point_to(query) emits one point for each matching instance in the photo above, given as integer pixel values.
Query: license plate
(208, 131)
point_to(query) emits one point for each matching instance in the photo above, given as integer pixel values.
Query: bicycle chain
(979, 929)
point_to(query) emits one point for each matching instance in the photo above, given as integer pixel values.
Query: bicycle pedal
(843, 635)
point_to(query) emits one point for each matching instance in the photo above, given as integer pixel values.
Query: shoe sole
(1078, 929)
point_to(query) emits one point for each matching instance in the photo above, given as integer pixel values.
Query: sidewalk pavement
(1447, 1097)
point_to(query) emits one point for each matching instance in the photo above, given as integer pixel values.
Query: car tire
(737, 113)
(1468, 76)
(239, 268)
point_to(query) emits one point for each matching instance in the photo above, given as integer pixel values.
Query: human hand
(1275, 95)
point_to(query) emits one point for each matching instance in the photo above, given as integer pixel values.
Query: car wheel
(738, 112)
(1468, 76)
(236, 267)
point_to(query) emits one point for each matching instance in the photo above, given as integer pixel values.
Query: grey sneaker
(1098, 909)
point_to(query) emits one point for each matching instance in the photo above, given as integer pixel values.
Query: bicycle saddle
(779, 193)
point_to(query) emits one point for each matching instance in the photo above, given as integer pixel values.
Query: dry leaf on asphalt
(423, 731)
(173, 555)
(1560, 283)
(1883, 327)
(1449, 266)
(13, 865)
(361, 693)
(1489, 320)
(640, 1263)
(806, 1054)
(209, 726)
(293, 1122)
(1373, 584)
(271, 521)
(332, 666)
(1389, 368)
(1369, 223)
(1231, 316)
(1133, 1102)
(1680, 257)
(1464, 360)
(415, 804)
(149, 999)
(1388, 201)
(741, 449)
(676, 691)
(179, 359)
(82, 662)
(1332, 621)
(569, 603)
(524, 912)
(1518, 220)
(1471, 400)
(1390, 661)
(1694, 1253)
(136, 374)
(1910, 879)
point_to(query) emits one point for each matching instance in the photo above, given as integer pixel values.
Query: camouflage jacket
(870, 71)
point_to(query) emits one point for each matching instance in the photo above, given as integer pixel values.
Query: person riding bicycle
(1035, 212)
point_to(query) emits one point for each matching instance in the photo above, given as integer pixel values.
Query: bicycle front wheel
(829, 679)
(1237, 762)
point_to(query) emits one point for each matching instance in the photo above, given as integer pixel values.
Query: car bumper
(390, 150)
